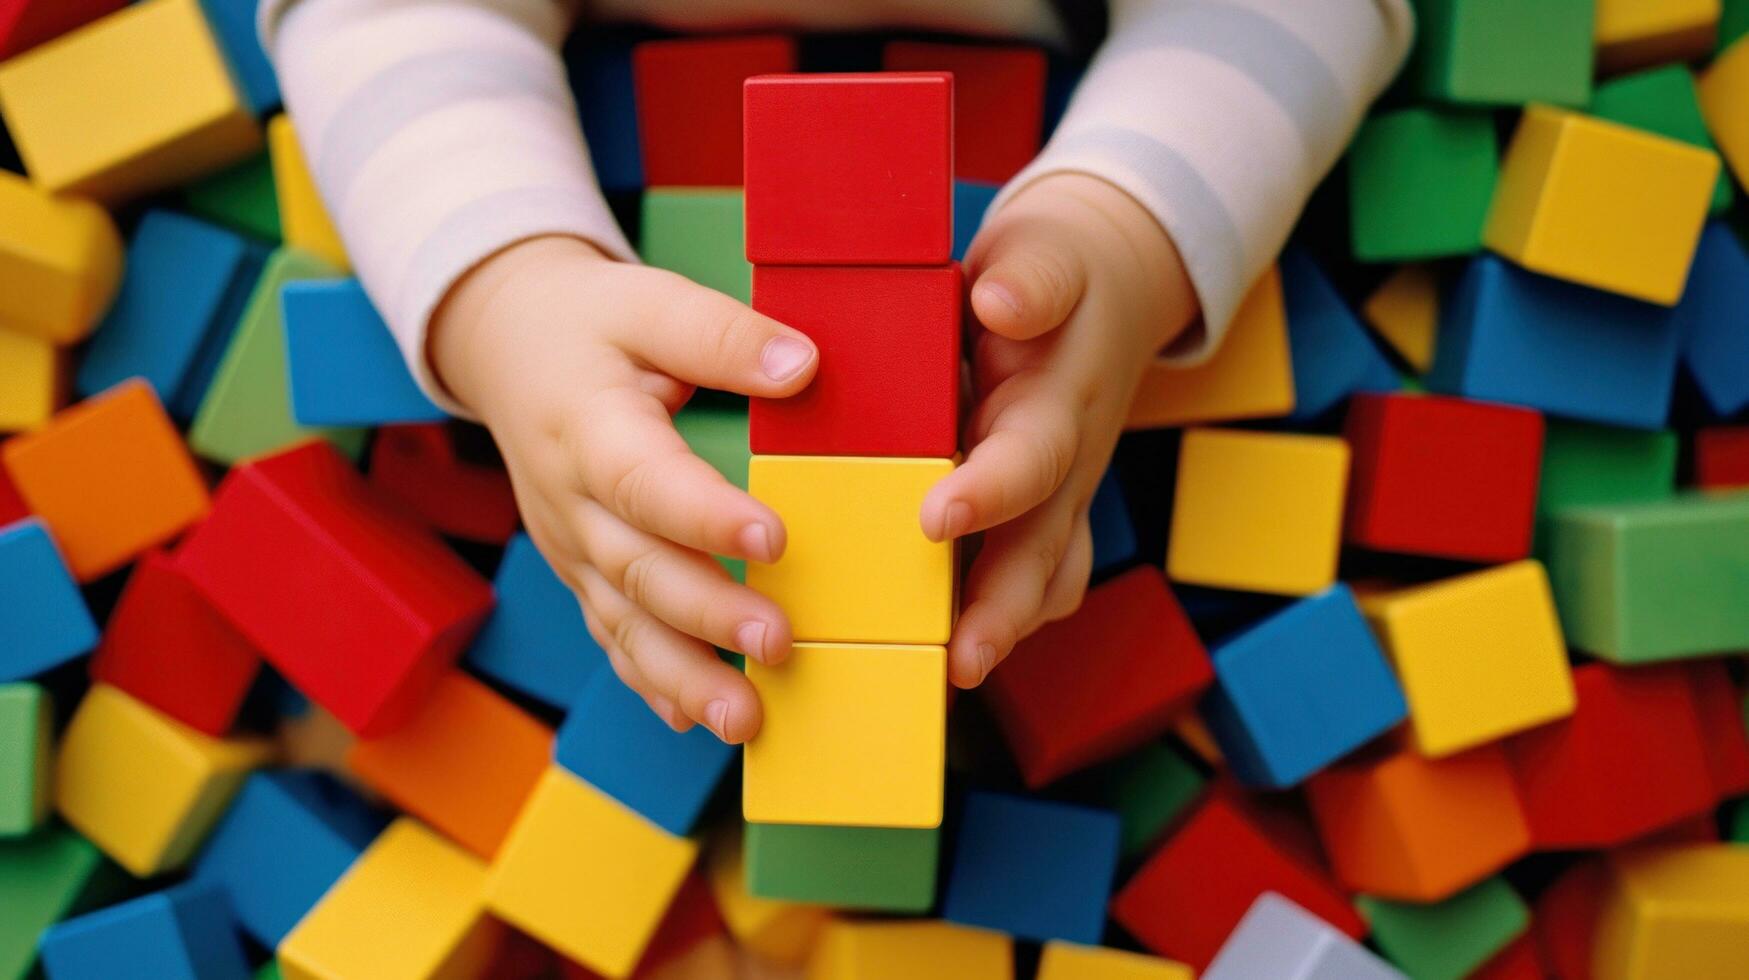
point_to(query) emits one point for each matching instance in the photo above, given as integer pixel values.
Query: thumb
(713, 341)
(1027, 278)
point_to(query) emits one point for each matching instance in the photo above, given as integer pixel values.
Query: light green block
(698, 233)
(1446, 940)
(888, 869)
(25, 718)
(1586, 464)
(247, 410)
(715, 426)
(1663, 101)
(240, 197)
(1503, 52)
(1148, 788)
(49, 876)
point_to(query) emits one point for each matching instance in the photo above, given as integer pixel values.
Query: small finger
(1068, 587)
(633, 678)
(712, 340)
(1028, 278)
(1005, 592)
(1022, 460)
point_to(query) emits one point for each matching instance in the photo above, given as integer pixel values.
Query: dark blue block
(1032, 868)
(43, 619)
(1299, 690)
(601, 78)
(1512, 336)
(218, 336)
(615, 742)
(1114, 534)
(233, 23)
(345, 367)
(1713, 320)
(183, 933)
(971, 200)
(535, 640)
(1333, 357)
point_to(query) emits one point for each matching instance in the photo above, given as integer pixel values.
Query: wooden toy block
(1148, 788)
(345, 367)
(241, 197)
(889, 378)
(1479, 655)
(1442, 476)
(1718, 708)
(24, 24)
(921, 950)
(1278, 938)
(1600, 204)
(1665, 101)
(971, 203)
(691, 925)
(1723, 91)
(1450, 938)
(45, 623)
(1733, 24)
(882, 869)
(411, 906)
(233, 26)
(535, 642)
(1419, 183)
(1034, 869)
(181, 933)
(854, 735)
(585, 875)
(849, 169)
(303, 218)
(600, 69)
(1404, 310)
(31, 381)
(423, 471)
(60, 260)
(134, 102)
(998, 102)
(1070, 961)
(26, 732)
(689, 104)
(464, 763)
(360, 609)
(1233, 529)
(1251, 374)
(1565, 917)
(1463, 49)
(615, 743)
(44, 878)
(696, 231)
(1721, 457)
(1675, 913)
(1646, 581)
(857, 567)
(1635, 33)
(1299, 690)
(12, 507)
(716, 429)
(775, 930)
(1595, 464)
(1517, 960)
(1714, 322)
(145, 788)
(1333, 357)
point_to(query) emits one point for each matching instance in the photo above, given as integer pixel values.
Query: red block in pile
(1441, 476)
(688, 95)
(417, 468)
(358, 607)
(24, 24)
(1518, 961)
(168, 647)
(1564, 918)
(12, 506)
(1719, 706)
(1110, 677)
(1721, 457)
(998, 102)
(889, 377)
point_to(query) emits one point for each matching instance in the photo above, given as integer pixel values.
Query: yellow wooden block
(1069, 961)
(143, 787)
(303, 218)
(924, 950)
(854, 735)
(1259, 511)
(31, 381)
(774, 930)
(1724, 100)
(1405, 311)
(1601, 204)
(134, 102)
(857, 568)
(1638, 33)
(1250, 376)
(1479, 656)
(585, 875)
(411, 907)
(1675, 913)
(60, 261)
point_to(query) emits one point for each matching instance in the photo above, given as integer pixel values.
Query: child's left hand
(1077, 287)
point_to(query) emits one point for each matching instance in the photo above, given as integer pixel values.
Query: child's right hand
(577, 364)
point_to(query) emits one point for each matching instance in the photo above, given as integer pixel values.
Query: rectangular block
(1458, 934)
(1251, 374)
(303, 217)
(44, 622)
(535, 641)
(689, 104)
(1420, 180)
(1674, 913)
(31, 385)
(182, 932)
(696, 231)
(1460, 46)
(346, 369)
(447, 475)
(880, 869)
(1034, 869)
(60, 261)
(998, 102)
(26, 731)
(925, 950)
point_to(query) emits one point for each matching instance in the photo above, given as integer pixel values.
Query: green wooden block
(268, 971)
(1663, 101)
(1503, 52)
(25, 719)
(889, 869)
(49, 876)
(1446, 940)
(698, 233)
(1148, 788)
(715, 426)
(1420, 181)
(1733, 22)
(240, 197)
(1586, 464)
(1652, 581)
(247, 410)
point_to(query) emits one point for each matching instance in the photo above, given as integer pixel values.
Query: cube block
(1404, 310)
(852, 950)
(1714, 321)
(1596, 464)
(998, 102)
(26, 733)
(1333, 357)
(1665, 101)
(303, 218)
(697, 232)
(426, 470)
(885, 869)
(1448, 938)
(689, 104)
(1420, 181)
(45, 878)
(1632, 33)
(535, 641)
(60, 262)
(1072, 961)
(182, 933)
(1462, 48)
(1278, 938)
(1034, 869)
(1675, 912)
(1149, 788)
(345, 366)
(45, 622)
(1251, 374)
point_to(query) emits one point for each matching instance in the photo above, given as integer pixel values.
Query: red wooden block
(1719, 706)
(1628, 761)
(1112, 676)
(1518, 961)
(853, 169)
(520, 957)
(12, 506)
(1442, 476)
(1721, 457)
(688, 95)
(998, 102)
(889, 377)
(24, 24)
(167, 646)
(417, 468)
(360, 608)
(1564, 919)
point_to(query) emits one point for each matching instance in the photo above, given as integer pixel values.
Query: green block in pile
(1653, 581)
(268, 971)
(1733, 22)
(241, 197)
(715, 426)
(1663, 101)
(888, 869)
(25, 717)
(1503, 52)
(1586, 464)
(697, 233)
(44, 878)
(1419, 182)
(1447, 940)
(1148, 788)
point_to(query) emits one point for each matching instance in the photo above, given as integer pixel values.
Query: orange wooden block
(464, 764)
(112, 478)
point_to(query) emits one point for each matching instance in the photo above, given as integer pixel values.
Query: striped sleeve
(1220, 117)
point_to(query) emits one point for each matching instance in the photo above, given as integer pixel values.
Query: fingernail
(986, 660)
(1001, 294)
(784, 358)
(716, 715)
(755, 541)
(750, 637)
(957, 520)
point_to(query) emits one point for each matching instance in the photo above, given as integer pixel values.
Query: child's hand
(577, 364)
(1078, 287)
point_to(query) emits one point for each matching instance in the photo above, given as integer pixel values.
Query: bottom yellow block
(30, 381)
(911, 951)
(1069, 961)
(1678, 913)
(585, 875)
(411, 907)
(854, 735)
(774, 930)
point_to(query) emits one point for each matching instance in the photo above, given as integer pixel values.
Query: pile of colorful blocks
(1413, 647)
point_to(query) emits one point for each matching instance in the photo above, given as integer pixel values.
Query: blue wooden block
(601, 78)
(971, 201)
(1277, 938)
(205, 365)
(1512, 336)
(1033, 868)
(1713, 320)
(535, 641)
(182, 933)
(287, 837)
(43, 619)
(1299, 690)
(233, 23)
(1114, 534)
(1333, 356)
(345, 367)
(615, 742)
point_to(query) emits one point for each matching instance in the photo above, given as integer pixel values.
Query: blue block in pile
(971, 201)
(345, 367)
(1114, 534)
(535, 641)
(233, 23)
(1033, 868)
(43, 619)
(218, 337)
(1333, 356)
(1713, 319)
(182, 933)
(601, 77)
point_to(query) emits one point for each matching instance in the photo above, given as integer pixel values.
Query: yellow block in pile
(1069, 961)
(1250, 376)
(60, 261)
(854, 735)
(30, 381)
(1405, 311)
(1479, 656)
(1675, 913)
(858, 568)
(774, 930)
(1724, 100)
(1601, 204)
(412, 906)
(1639, 33)
(143, 787)
(135, 102)
(910, 951)
(585, 875)
(1258, 511)
(303, 218)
